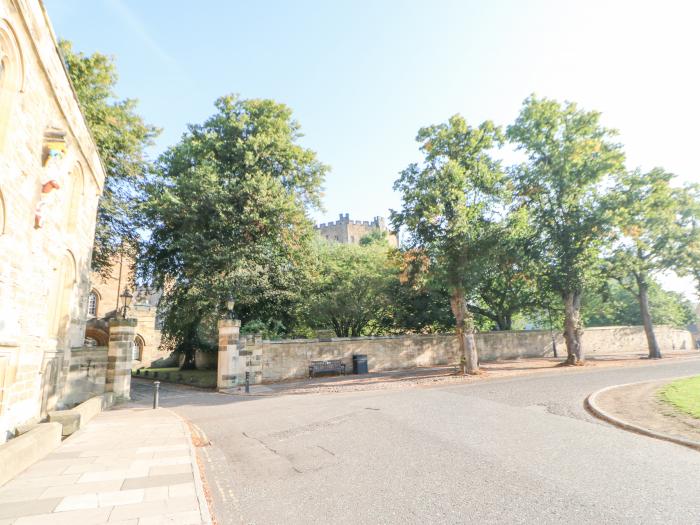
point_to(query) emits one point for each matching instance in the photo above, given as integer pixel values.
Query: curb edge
(591, 405)
(204, 510)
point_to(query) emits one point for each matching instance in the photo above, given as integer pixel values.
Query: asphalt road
(517, 450)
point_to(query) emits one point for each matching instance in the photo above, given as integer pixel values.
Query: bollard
(156, 393)
(247, 382)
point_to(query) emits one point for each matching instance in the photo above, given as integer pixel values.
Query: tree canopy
(450, 206)
(351, 290)
(649, 237)
(569, 154)
(122, 138)
(227, 214)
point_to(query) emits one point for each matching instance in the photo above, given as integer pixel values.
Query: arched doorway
(137, 351)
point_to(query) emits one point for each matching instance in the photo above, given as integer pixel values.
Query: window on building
(352, 239)
(93, 299)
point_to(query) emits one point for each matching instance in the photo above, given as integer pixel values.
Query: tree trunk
(465, 332)
(505, 322)
(643, 298)
(188, 363)
(573, 331)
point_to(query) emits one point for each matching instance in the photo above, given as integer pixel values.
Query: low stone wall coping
(21, 452)
(78, 416)
(499, 333)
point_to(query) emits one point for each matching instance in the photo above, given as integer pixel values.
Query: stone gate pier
(119, 354)
(237, 355)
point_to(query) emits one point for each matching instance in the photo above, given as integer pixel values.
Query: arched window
(74, 197)
(137, 353)
(93, 301)
(65, 281)
(11, 74)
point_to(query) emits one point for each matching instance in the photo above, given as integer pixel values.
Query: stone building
(103, 303)
(50, 180)
(350, 232)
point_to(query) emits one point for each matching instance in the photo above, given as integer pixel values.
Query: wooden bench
(322, 367)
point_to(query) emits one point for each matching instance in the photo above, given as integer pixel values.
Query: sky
(363, 76)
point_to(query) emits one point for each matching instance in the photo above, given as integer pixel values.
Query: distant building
(350, 232)
(104, 302)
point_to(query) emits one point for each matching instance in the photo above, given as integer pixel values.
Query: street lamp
(230, 303)
(126, 300)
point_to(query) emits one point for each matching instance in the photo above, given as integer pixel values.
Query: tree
(418, 304)
(350, 293)
(122, 138)
(569, 154)
(613, 304)
(449, 210)
(688, 201)
(226, 212)
(649, 236)
(508, 283)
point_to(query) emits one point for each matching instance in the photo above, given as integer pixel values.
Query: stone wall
(86, 375)
(290, 359)
(44, 266)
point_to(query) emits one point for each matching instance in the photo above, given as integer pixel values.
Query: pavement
(132, 466)
(518, 449)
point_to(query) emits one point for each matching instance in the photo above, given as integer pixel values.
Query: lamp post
(126, 300)
(230, 303)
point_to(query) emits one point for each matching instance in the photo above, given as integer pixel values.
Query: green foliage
(350, 288)
(271, 329)
(509, 282)
(227, 214)
(689, 205)
(569, 154)
(450, 209)
(615, 305)
(569, 158)
(374, 237)
(646, 211)
(449, 201)
(121, 137)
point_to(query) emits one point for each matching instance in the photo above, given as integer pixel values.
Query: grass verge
(684, 394)
(201, 378)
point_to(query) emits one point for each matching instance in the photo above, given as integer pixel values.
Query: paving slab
(128, 466)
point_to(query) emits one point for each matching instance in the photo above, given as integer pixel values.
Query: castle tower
(347, 231)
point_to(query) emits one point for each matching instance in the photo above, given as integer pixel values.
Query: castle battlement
(348, 231)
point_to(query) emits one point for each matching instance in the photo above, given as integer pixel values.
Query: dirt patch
(641, 405)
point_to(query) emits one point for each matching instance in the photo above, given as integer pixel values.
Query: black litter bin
(359, 364)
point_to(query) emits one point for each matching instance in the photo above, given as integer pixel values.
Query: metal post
(156, 393)
(247, 382)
